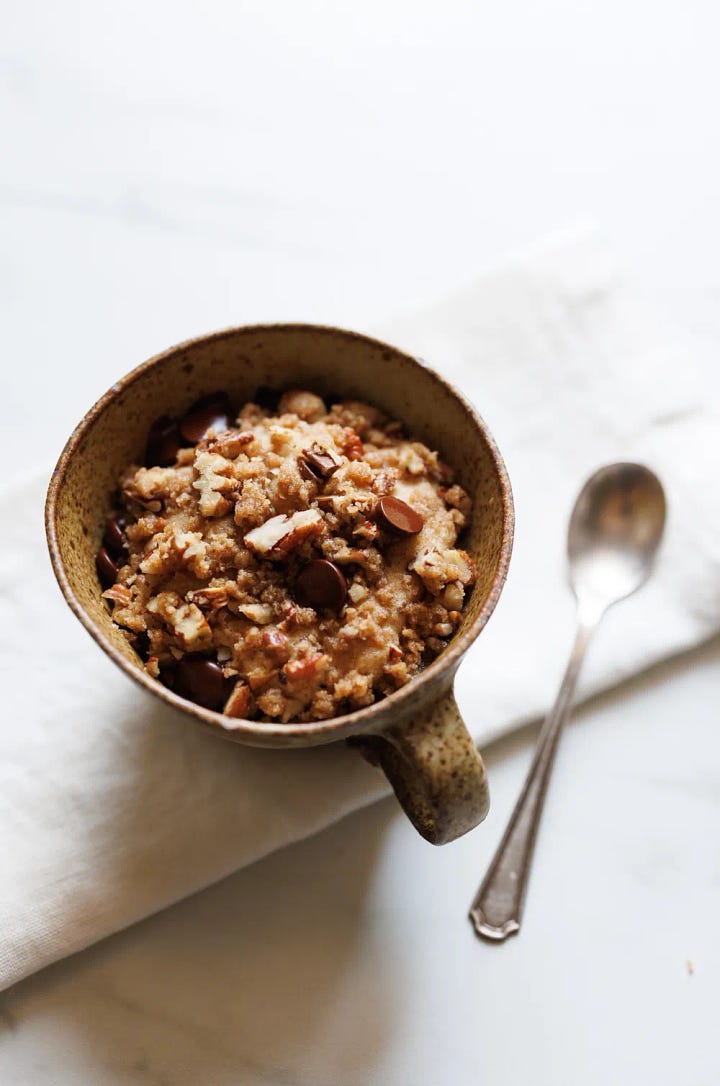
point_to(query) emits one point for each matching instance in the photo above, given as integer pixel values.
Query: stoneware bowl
(416, 734)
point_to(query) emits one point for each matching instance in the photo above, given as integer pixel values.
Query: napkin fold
(113, 806)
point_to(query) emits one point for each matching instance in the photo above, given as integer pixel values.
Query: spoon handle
(497, 909)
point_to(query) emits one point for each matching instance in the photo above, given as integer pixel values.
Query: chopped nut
(238, 704)
(277, 537)
(193, 550)
(357, 415)
(357, 592)
(191, 628)
(152, 666)
(298, 671)
(351, 555)
(351, 444)
(212, 484)
(212, 599)
(149, 484)
(260, 676)
(290, 612)
(276, 642)
(348, 507)
(119, 594)
(438, 568)
(368, 529)
(259, 613)
(456, 497)
(153, 505)
(230, 444)
(410, 459)
(306, 405)
(263, 539)
(453, 596)
(280, 439)
(185, 619)
(172, 548)
(384, 481)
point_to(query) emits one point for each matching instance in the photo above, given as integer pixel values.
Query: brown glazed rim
(322, 731)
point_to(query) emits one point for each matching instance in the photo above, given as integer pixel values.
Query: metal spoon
(615, 530)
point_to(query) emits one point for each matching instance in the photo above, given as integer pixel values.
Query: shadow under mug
(416, 734)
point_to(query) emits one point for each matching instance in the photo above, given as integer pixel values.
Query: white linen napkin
(112, 806)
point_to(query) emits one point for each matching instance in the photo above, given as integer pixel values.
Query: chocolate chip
(163, 443)
(202, 681)
(321, 585)
(319, 461)
(307, 472)
(209, 413)
(141, 644)
(267, 398)
(107, 571)
(114, 537)
(168, 673)
(397, 516)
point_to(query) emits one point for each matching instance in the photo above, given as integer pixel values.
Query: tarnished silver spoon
(615, 530)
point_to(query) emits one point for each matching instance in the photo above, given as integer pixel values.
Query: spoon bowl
(614, 533)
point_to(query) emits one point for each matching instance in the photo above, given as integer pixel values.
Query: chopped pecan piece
(306, 405)
(259, 677)
(384, 481)
(213, 483)
(456, 498)
(351, 444)
(211, 599)
(357, 592)
(186, 621)
(173, 548)
(149, 485)
(152, 666)
(280, 535)
(259, 613)
(238, 704)
(229, 445)
(437, 569)
(191, 628)
(453, 596)
(368, 529)
(275, 642)
(351, 556)
(298, 671)
(119, 593)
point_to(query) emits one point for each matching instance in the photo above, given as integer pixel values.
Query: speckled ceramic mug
(416, 734)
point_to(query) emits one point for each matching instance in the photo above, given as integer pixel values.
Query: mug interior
(333, 363)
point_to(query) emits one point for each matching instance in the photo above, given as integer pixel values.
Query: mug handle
(435, 770)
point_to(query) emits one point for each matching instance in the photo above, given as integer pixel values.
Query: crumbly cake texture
(210, 549)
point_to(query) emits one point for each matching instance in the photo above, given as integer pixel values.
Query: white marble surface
(348, 959)
(173, 169)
